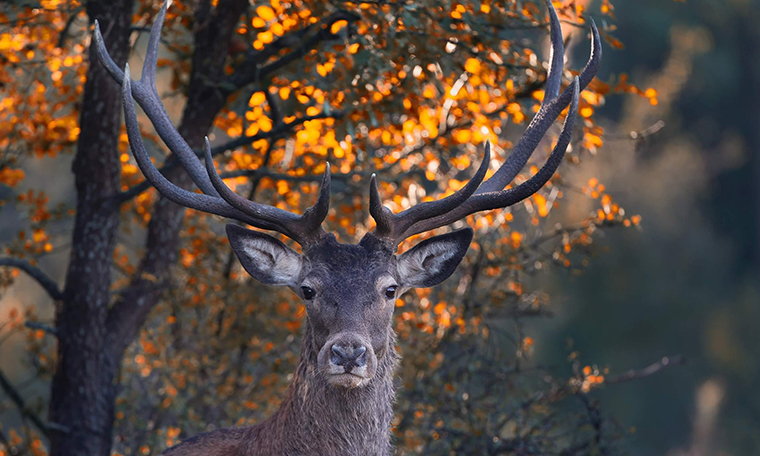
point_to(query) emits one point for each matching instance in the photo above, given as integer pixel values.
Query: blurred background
(686, 283)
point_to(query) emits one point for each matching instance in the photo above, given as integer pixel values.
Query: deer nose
(348, 356)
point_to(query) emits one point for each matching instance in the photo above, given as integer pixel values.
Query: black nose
(348, 356)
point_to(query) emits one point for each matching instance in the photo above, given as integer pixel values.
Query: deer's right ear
(265, 258)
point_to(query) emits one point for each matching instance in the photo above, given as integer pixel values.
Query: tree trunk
(93, 334)
(84, 389)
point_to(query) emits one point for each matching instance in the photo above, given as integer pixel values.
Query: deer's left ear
(433, 260)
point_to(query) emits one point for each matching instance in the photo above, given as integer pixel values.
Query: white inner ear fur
(415, 265)
(282, 265)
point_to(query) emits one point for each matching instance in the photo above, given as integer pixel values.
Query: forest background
(572, 291)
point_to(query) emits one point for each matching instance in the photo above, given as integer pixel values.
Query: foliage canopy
(407, 90)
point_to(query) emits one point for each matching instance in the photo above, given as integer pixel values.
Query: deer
(340, 399)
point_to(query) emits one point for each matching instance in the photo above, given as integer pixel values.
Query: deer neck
(318, 418)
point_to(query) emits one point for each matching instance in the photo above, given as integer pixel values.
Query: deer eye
(308, 293)
(390, 292)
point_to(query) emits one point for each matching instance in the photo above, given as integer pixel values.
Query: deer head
(349, 290)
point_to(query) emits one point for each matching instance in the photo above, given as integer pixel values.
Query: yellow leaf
(266, 37)
(265, 124)
(335, 28)
(516, 239)
(463, 136)
(265, 12)
(257, 99)
(472, 65)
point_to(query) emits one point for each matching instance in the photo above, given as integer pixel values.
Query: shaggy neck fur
(317, 418)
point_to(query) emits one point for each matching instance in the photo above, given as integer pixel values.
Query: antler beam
(217, 198)
(392, 225)
(476, 197)
(147, 97)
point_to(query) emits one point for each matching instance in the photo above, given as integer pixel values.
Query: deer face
(349, 291)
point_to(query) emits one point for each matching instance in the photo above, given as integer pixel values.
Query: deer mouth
(347, 380)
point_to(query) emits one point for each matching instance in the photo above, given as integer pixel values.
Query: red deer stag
(340, 401)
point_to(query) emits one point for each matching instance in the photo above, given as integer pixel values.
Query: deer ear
(433, 260)
(265, 258)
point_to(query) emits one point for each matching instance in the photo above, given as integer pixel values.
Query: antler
(475, 197)
(217, 198)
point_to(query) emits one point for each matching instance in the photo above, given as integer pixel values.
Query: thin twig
(639, 135)
(65, 31)
(42, 327)
(16, 398)
(632, 374)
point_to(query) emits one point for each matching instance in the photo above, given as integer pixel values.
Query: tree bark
(83, 388)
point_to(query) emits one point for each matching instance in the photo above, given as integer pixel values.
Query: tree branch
(275, 133)
(274, 109)
(65, 31)
(302, 42)
(16, 398)
(37, 274)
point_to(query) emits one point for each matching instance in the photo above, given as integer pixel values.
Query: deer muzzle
(347, 361)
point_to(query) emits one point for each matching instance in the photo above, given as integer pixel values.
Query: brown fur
(318, 417)
(315, 418)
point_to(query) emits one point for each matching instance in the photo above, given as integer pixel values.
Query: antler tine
(151, 56)
(550, 109)
(382, 215)
(505, 198)
(146, 94)
(556, 55)
(301, 229)
(392, 226)
(594, 60)
(313, 217)
(104, 57)
(273, 215)
(172, 192)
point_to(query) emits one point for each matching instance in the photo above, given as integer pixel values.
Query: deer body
(340, 401)
(314, 418)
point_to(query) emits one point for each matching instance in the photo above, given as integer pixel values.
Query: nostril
(347, 355)
(360, 356)
(339, 355)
